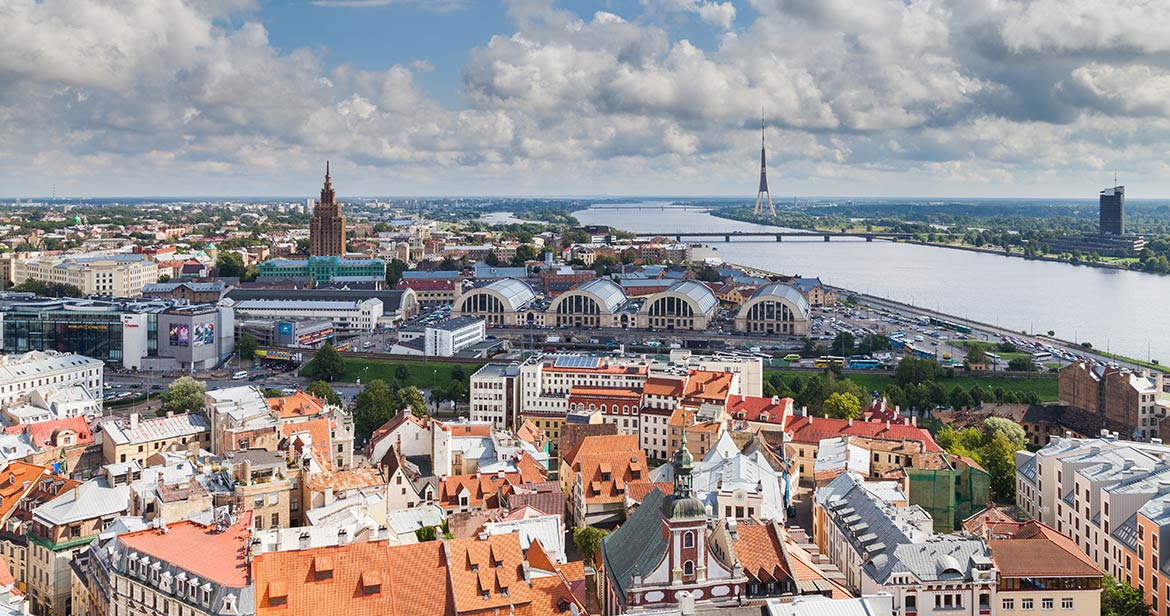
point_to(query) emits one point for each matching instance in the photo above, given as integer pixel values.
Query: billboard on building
(204, 334)
(180, 334)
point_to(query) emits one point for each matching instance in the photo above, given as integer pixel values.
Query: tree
(326, 365)
(402, 372)
(458, 373)
(999, 458)
(184, 395)
(843, 344)
(895, 396)
(47, 289)
(230, 265)
(303, 246)
(426, 533)
(1012, 430)
(1022, 364)
(812, 394)
(524, 254)
(246, 346)
(271, 393)
(411, 398)
(1120, 599)
(491, 259)
(915, 370)
(960, 399)
(842, 406)
(394, 271)
(322, 390)
(975, 355)
(373, 406)
(588, 541)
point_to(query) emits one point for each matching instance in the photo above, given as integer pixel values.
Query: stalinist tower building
(327, 226)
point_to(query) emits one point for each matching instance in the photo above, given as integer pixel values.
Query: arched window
(688, 569)
(689, 539)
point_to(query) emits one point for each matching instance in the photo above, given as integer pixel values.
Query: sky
(932, 98)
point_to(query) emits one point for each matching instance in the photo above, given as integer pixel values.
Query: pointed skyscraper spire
(764, 195)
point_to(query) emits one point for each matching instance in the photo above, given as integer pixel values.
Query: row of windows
(1046, 603)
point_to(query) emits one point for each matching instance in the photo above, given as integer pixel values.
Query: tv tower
(764, 193)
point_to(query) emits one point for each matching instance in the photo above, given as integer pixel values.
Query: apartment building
(43, 385)
(1133, 398)
(135, 439)
(118, 275)
(883, 544)
(1041, 569)
(1112, 499)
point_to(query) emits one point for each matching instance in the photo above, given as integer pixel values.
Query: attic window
(323, 568)
(277, 594)
(371, 583)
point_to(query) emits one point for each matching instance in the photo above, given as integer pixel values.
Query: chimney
(342, 537)
(850, 422)
(686, 603)
(133, 421)
(914, 421)
(305, 540)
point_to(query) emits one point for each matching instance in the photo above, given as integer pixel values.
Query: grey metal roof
(516, 292)
(92, 499)
(1126, 532)
(783, 292)
(637, 545)
(700, 293)
(607, 292)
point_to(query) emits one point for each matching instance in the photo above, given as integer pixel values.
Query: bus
(864, 364)
(825, 361)
(1042, 356)
(993, 357)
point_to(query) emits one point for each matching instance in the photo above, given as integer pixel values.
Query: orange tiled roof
(1037, 550)
(759, 409)
(44, 433)
(299, 404)
(483, 490)
(806, 429)
(318, 432)
(461, 429)
(218, 556)
(637, 490)
(582, 391)
(609, 443)
(345, 480)
(605, 472)
(671, 387)
(529, 433)
(709, 386)
(12, 484)
(759, 552)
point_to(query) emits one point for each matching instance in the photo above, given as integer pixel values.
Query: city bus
(825, 361)
(864, 364)
(1042, 356)
(993, 357)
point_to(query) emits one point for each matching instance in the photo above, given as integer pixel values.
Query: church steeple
(684, 464)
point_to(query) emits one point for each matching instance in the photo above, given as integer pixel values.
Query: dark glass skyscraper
(1112, 215)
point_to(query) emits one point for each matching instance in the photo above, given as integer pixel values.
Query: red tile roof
(606, 465)
(17, 480)
(670, 387)
(759, 409)
(709, 386)
(1037, 550)
(299, 404)
(202, 550)
(759, 552)
(44, 433)
(807, 429)
(317, 433)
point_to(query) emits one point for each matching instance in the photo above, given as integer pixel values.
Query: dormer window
(277, 594)
(371, 582)
(323, 568)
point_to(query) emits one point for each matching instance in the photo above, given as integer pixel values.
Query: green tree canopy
(184, 395)
(1012, 430)
(411, 398)
(588, 541)
(324, 391)
(230, 265)
(914, 370)
(246, 346)
(374, 406)
(976, 355)
(326, 365)
(1121, 599)
(842, 406)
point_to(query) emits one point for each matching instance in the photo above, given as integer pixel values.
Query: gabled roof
(758, 548)
(1037, 550)
(299, 404)
(807, 429)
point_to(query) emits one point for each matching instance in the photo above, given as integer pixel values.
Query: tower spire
(326, 171)
(764, 195)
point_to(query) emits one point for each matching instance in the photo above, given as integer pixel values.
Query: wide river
(1125, 312)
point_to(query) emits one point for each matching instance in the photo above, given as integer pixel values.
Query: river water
(1124, 312)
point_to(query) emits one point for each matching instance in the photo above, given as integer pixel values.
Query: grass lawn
(422, 374)
(1045, 385)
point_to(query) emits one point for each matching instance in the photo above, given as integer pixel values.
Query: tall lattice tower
(764, 194)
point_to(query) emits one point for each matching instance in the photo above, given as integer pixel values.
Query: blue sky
(938, 98)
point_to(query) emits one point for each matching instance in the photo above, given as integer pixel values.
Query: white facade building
(357, 315)
(45, 385)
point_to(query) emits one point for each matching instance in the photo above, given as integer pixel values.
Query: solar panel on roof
(577, 361)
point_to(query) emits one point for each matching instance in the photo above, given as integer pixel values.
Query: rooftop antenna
(1115, 179)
